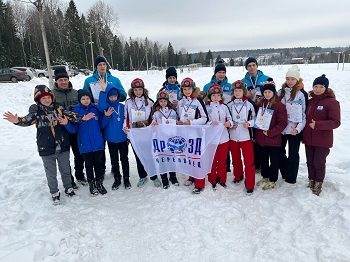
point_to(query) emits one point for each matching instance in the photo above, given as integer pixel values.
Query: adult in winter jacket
(294, 100)
(322, 116)
(220, 78)
(102, 76)
(268, 133)
(52, 138)
(67, 97)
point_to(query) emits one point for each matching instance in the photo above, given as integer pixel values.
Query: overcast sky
(233, 24)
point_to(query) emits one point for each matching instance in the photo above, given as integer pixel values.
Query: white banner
(185, 149)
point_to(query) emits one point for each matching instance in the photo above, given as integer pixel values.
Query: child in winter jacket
(52, 138)
(270, 121)
(294, 100)
(138, 108)
(171, 86)
(191, 111)
(322, 116)
(218, 114)
(163, 113)
(90, 141)
(243, 115)
(109, 103)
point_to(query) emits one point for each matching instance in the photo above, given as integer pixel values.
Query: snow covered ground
(153, 224)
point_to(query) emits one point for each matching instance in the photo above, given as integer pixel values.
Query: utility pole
(39, 6)
(92, 53)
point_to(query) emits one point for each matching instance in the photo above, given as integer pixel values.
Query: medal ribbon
(138, 109)
(256, 80)
(240, 108)
(166, 117)
(263, 109)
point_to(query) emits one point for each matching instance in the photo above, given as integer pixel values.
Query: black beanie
(99, 59)
(250, 60)
(220, 67)
(269, 85)
(83, 92)
(60, 72)
(321, 80)
(171, 71)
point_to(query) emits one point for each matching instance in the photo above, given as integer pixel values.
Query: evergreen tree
(171, 55)
(208, 58)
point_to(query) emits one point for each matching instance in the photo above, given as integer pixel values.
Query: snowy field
(153, 224)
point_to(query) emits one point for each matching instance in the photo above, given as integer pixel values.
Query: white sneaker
(288, 185)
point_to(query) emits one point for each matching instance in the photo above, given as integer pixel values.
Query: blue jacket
(226, 86)
(111, 79)
(259, 83)
(168, 88)
(113, 131)
(89, 132)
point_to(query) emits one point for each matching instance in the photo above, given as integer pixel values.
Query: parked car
(30, 71)
(13, 75)
(84, 71)
(42, 73)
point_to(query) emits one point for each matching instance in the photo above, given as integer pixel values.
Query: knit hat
(113, 92)
(269, 85)
(239, 84)
(163, 95)
(83, 92)
(250, 60)
(137, 83)
(42, 90)
(215, 89)
(220, 67)
(171, 71)
(60, 72)
(321, 80)
(187, 82)
(294, 71)
(99, 59)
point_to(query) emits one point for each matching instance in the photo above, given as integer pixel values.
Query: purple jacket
(325, 111)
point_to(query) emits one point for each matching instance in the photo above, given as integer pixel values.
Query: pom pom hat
(294, 71)
(269, 85)
(321, 80)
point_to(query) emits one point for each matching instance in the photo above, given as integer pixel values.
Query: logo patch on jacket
(320, 108)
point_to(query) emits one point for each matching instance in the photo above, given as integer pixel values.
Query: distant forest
(75, 40)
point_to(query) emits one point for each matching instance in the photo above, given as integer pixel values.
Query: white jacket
(298, 96)
(136, 104)
(187, 103)
(241, 134)
(164, 113)
(219, 112)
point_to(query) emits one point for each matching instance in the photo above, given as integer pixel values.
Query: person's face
(138, 91)
(268, 94)
(85, 100)
(102, 68)
(46, 100)
(163, 103)
(171, 80)
(319, 89)
(220, 75)
(238, 93)
(215, 97)
(113, 98)
(62, 83)
(187, 91)
(291, 81)
(252, 68)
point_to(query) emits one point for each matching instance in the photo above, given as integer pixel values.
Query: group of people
(259, 122)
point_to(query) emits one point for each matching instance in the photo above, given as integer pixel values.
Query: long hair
(144, 94)
(298, 86)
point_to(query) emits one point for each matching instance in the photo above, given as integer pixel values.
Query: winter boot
(197, 190)
(269, 185)
(56, 198)
(223, 185)
(142, 182)
(99, 185)
(116, 184)
(311, 184)
(262, 181)
(92, 188)
(165, 183)
(127, 184)
(317, 188)
(83, 182)
(237, 182)
(214, 187)
(69, 192)
(173, 179)
(249, 192)
(74, 185)
(189, 182)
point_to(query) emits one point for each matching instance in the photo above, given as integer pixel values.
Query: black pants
(119, 151)
(93, 162)
(269, 162)
(140, 169)
(289, 166)
(165, 176)
(78, 158)
(256, 156)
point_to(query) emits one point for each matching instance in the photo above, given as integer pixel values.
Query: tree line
(76, 39)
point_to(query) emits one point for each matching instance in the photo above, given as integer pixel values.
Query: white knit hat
(294, 71)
